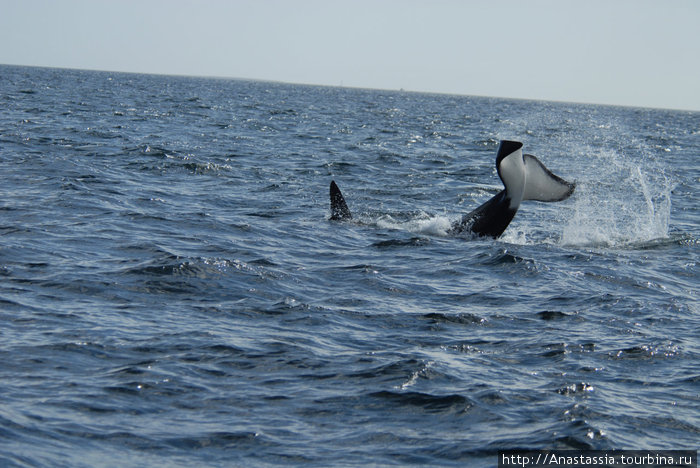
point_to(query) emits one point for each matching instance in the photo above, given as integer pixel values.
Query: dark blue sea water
(172, 292)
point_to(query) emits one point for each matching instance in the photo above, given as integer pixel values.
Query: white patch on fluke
(512, 172)
(541, 184)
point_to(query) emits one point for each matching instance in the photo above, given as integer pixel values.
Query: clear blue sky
(627, 52)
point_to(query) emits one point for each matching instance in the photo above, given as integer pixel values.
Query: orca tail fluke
(542, 184)
(339, 209)
(525, 178)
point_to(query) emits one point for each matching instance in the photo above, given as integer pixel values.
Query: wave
(664, 350)
(222, 439)
(427, 402)
(464, 318)
(399, 243)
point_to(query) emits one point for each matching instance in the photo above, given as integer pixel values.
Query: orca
(339, 209)
(524, 178)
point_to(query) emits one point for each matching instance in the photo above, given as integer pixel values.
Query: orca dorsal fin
(542, 185)
(339, 209)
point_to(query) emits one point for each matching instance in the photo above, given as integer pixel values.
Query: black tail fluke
(339, 209)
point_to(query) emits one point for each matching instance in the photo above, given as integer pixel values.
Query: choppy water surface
(172, 292)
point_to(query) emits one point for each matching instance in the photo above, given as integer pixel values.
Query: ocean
(173, 293)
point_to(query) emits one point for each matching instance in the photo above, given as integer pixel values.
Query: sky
(642, 53)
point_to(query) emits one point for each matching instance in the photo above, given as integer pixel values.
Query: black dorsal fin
(339, 209)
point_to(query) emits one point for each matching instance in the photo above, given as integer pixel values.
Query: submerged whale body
(524, 178)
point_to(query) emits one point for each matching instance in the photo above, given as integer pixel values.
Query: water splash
(620, 202)
(431, 225)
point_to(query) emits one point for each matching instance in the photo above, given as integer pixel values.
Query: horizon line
(342, 86)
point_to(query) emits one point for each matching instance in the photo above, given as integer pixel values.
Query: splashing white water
(424, 224)
(620, 202)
